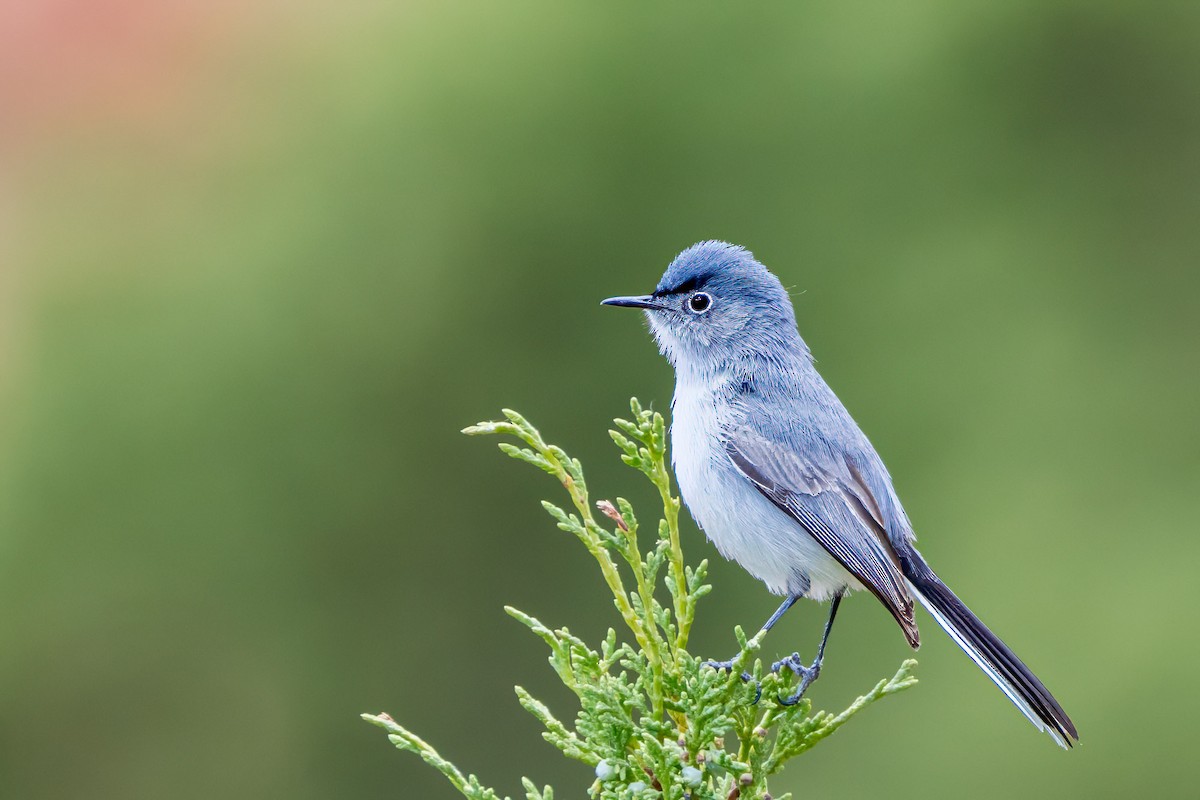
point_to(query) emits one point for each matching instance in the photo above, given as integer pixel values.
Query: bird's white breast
(743, 524)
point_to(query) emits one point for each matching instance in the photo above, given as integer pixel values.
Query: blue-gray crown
(698, 264)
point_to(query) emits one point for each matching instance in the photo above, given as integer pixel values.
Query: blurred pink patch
(70, 62)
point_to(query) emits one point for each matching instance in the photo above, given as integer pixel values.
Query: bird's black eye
(700, 302)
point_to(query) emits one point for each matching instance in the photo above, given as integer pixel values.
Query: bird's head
(716, 305)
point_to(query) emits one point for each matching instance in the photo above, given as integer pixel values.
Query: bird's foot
(807, 673)
(727, 666)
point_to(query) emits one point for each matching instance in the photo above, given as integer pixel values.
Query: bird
(781, 479)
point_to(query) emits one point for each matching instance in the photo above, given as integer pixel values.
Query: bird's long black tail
(985, 648)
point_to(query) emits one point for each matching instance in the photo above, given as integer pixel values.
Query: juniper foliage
(653, 721)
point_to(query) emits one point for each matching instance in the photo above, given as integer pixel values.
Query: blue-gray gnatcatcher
(781, 479)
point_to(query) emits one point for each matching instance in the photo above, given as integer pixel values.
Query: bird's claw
(727, 666)
(807, 673)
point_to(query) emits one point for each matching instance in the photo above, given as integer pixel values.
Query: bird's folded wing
(836, 508)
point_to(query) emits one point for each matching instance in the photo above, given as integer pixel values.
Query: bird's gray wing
(835, 506)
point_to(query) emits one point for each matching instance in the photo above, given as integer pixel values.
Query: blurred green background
(259, 265)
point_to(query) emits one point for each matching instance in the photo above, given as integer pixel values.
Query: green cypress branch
(653, 721)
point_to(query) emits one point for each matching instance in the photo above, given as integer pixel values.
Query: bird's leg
(727, 666)
(808, 674)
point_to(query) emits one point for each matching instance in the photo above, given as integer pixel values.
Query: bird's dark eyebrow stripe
(693, 282)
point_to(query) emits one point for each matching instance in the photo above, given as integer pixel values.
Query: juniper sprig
(653, 720)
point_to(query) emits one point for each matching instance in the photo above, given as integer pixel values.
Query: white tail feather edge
(987, 667)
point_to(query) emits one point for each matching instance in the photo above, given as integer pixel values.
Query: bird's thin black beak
(645, 301)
